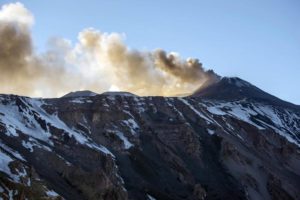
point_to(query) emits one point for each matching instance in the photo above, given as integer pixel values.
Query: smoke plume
(97, 61)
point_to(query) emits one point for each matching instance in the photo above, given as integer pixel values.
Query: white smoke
(97, 61)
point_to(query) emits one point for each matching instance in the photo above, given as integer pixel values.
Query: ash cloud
(15, 48)
(97, 61)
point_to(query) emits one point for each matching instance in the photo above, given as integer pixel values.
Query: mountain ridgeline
(229, 140)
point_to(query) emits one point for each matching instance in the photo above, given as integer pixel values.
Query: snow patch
(51, 193)
(127, 144)
(131, 123)
(11, 151)
(211, 132)
(195, 110)
(81, 100)
(77, 101)
(34, 143)
(4, 161)
(173, 107)
(235, 110)
(215, 110)
(150, 197)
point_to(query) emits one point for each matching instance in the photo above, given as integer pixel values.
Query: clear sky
(257, 40)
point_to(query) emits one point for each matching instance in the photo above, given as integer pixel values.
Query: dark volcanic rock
(120, 146)
(84, 93)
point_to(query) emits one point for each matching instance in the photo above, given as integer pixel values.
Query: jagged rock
(199, 192)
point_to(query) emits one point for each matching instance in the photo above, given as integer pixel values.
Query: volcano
(229, 140)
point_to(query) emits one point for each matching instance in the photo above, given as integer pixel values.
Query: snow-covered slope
(285, 122)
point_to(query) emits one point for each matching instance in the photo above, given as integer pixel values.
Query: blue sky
(257, 40)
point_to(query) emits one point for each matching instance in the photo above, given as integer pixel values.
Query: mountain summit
(229, 140)
(83, 93)
(234, 88)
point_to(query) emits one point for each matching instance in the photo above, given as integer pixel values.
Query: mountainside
(228, 141)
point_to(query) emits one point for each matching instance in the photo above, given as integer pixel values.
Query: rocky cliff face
(121, 146)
